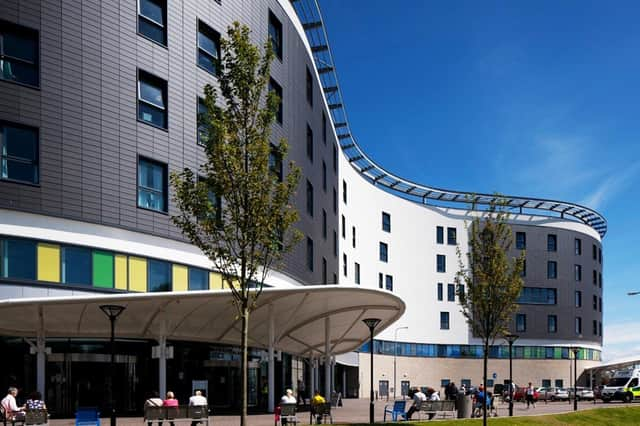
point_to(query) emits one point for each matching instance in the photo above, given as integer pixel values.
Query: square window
(552, 242)
(152, 185)
(521, 322)
(389, 282)
(451, 293)
(552, 270)
(309, 254)
(19, 54)
(19, 153)
(559, 383)
(451, 236)
(386, 222)
(18, 258)
(159, 276)
(275, 35)
(441, 263)
(277, 89)
(198, 279)
(208, 48)
(439, 235)
(577, 245)
(384, 252)
(309, 143)
(440, 292)
(152, 99)
(521, 240)
(76, 265)
(444, 320)
(309, 87)
(309, 198)
(356, 270)
(552, 323)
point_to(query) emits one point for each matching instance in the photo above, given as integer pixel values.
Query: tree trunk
(484, 381)
(244, 366)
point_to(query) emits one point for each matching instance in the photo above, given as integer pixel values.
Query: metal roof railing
(308, 12)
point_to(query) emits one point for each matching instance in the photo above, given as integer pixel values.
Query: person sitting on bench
(418, 397)
(11, 409)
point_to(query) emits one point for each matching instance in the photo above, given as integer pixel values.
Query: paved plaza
(357, 411)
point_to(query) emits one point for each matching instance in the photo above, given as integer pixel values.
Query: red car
(521, 394)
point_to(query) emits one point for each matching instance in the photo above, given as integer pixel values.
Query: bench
(323, 411)
(181, 413)
(434, 407)
(395, 411)
(10, 420)
(36, 417)
(286, 413)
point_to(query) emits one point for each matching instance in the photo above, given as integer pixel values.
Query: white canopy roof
(209, 316)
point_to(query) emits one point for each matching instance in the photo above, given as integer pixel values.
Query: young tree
(238, 209)
(493, 280)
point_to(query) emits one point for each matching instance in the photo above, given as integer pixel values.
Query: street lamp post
(575, 378)
(511, 338)
(372, 323)
(395, 353)
(112, 312)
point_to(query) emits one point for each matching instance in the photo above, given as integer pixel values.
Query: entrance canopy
(295, 318)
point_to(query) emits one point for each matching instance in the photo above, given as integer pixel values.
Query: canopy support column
(313, 382)
(41, 351)
(162, 366)
(327, 359)
(271, 363)
(333, 374)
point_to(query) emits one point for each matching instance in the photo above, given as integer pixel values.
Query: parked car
(560, 394)
(544, 393)
(583, 393)
(521, 394)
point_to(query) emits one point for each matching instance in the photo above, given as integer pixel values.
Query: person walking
(530, 396)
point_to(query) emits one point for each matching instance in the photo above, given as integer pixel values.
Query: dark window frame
(445, 321)
(383, 252)
(439, 235)
(552, 270)
(521, 240)
(521, 323)
(278, 43)
(441, 263)
(275, 87)
(18, 30)
(386, 222)
(452, 236)
(309, 143)
(35, 163)
(213, 35)
(310, 254)
(552, 319)
(309, 87)
(165, 185)
(552, 243)
(310, 196)
(157, 82)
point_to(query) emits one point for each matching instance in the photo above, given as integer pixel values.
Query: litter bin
(464, 404)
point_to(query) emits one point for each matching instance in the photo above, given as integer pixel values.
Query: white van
(623, 386)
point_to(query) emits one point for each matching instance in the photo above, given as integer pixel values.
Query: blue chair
(397, 409)
(87, 416)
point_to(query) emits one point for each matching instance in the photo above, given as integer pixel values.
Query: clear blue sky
(537, 99)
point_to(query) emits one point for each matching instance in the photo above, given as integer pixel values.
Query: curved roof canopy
(309, 14)
(299, 317)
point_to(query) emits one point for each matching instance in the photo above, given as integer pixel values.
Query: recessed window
(386, 222)
(309, 254)
(461, 290)
(577, 246)
(277, 89)
(537, 296)
(353, 236)
(356, 270)
(440, 292)
(335, 159)
(521, 240)
(595, 302)
(600, 279)
(324, 128)
(451, 293)
(335, 243)
(451, 236)
(439, 235)
(335, 278)
(552, 270)
(324, 224)
(152, 185)
(335, 201)
(324, 271)
(309, 198)
(152, 17)
(203, 134)
(521, 322)
(441, 263)
(76, 265)
(208, 48)
(577, 272)
(152, 99)
(309, 87)
(19, 153)
(444, 320)
(552, 242)
(523, 273)
(599, 329)
(600, 255)
(344, 191)
(388, 282)
(594, 252)
(578, 299)
(18, 258)
(595, 327)
(275, 162)
(384, 252)
(595, 277)
(198, 279)
(599, 304)
(380, 280)
(344, 264)
(552, 323)
(344, 227)
(578, 324)
(19, 54)
(159, 276)
(324, 176)
(309, 143)
(275, 35)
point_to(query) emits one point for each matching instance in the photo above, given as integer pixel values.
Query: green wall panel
(102, 269)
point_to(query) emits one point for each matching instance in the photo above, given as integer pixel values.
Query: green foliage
(492, 280)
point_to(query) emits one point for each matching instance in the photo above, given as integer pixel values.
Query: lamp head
(112, 311)
(510, 338)
(372, 323)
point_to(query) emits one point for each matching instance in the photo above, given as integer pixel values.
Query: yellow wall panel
(137, 274)
(180, 278)
(48, 262)
(121, 272)
(215, 281)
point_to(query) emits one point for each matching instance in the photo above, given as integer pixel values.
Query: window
(275, 162)
(559, 383)
(523, 273)
(599, 329)
(310, 254)
(344, 227)
(439, 235)
(344, 191)
(552, 242)
(275, 35)
(451, 293)
(76, 265)
(324, 128)
(444, 320)
(552, 323)
(19, 54)
(208, 48)
(356, 272)
(324, 271)
(309, 198)
(152, 185)
(595, 302)
(277, 89)
(600, 255)
(451, 236)
(599, 304)
(577, 246)
(344, 264)
(440, 292)
(546, 383)
(441, 263)
(202, 133)
(19, 153)
(353, 236)
(384, 252)
(552, 270)
(578, 325)
(309, 88)
(521, 240)
(309, 143)
(324, 224)
(578, 299)
(461, 290)
(324, 176)
(537, 296)
(335, 201)
(386, 222)
(198, 279)
(335, 243)
(594, 252)
(599, 279)
(595, 277)
(389, 282)
(577, 272)
(152, 99)
(18, 259)
(380, 280)
(159, 278)
(335, 278)
(335, 159)
(521, 322)
(595, 327)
